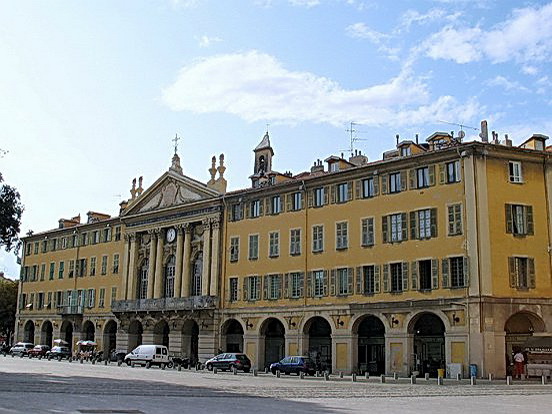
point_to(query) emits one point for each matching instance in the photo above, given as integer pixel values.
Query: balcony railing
(70, 310)
(163, 304)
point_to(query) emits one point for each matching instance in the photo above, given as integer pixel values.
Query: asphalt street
(40, 386)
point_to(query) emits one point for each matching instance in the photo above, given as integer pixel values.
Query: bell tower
(263, 161)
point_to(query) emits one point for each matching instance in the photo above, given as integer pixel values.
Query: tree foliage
(10, 217)
(8, 305)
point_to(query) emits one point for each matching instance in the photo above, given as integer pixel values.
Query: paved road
(33, 386)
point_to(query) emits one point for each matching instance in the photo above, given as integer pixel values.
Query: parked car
(38, 351)
(294, 364)
(229, 360)
(21, 349)
(59, 353)
(149, 355)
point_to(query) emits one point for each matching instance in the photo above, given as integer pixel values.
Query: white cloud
(206, 41)
(525, 37)
(529, 70)
(186, 3)
(411, 17)
(362, 31)
(304, 3)
(255, 86)
(507, 84)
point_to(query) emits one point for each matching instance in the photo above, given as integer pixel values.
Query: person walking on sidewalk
(519, 360)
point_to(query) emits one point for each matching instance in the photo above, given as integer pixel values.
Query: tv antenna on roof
(353, 137)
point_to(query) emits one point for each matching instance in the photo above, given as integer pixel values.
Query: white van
(149, 355)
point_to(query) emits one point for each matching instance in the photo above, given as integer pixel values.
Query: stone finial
(176, 164)
(133, 189)
(140, 189)
(221, 168)
(213, 169)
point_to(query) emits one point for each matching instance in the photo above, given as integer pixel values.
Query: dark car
(294, 364)
(38, 351)
(21, 349)
(229, 361)
(59, 353)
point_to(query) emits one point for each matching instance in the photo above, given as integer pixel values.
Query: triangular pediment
(170, 190)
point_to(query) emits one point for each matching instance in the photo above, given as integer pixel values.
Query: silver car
(21, 349)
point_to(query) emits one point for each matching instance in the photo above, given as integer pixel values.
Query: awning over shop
(539, 344)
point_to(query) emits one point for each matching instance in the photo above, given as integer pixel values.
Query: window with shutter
(404, 276)
(414, 276)
(434, 274)
(350, 280)
(358, 285)
(384, 183)
(333, 282)
(445, 273)
(386, 286)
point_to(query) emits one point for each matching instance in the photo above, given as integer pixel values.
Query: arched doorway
(519, 327)
(29, 332)
(232, 332)
(88, 331)
(142, 292)
(274, 340)
(161, 332)
(67, 333)
(135, 331)
(46, 333)
(109, 337)
(319, 334)
(169, 277)
(429, 343)
(197, 274)
(190, 340)
(371, 345)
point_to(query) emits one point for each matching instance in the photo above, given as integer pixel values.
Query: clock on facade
(171, 235)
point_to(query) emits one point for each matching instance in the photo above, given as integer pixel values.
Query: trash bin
(473, 370)
(440, 373)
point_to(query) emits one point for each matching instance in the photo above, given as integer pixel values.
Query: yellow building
(437, 254)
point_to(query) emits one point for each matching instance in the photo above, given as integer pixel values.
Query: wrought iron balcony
(70, 310)
(164, 304)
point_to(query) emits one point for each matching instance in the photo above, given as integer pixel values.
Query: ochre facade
(437, 254)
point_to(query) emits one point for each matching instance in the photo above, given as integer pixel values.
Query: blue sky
(93, 92)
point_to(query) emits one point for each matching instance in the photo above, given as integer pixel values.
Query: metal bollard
(119, 363)
(215, 370)
(68, 360)
(326, 376)
(235, 371)
(341, 374)
(491, 377)
(440, 381)
(353, 377)
(413, 379)
(301, 375)
(179, 368)
(81, 361)
(543, 380)
(163, 367)
(427, 376)
(382, 379)
(473, 380)
(277, 373)
(509, 380)
(266, 370)
(105, 361)
(93, 362)
(458, 377)
(255, 372)
(367, 375)
(395, 376)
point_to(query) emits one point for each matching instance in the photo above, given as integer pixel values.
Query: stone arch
(109, 337)
(273, 336)
(369, 331)
(318, 336)
(46, 333)
(190, 340)
(29, 332)
(169, 276)
(518, 328)
(66, 333)
(88, 331)
(412, 318)
(161, 333)
(135, 331)
(428, 330)
(232, 336)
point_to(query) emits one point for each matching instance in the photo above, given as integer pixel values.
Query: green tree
(10, 217)
(8, 305)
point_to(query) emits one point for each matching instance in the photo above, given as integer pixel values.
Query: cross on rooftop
(175, 140)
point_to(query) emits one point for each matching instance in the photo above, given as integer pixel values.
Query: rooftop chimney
(484, 134)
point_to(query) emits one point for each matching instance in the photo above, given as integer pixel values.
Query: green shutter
(466, 272)
(332, 282)
(404, 276)
(509, 221)
(326, 195)
(413, 226)
(404, 181)
(442, 174)
(376, 185)
(358, 189)
(384, 225)
(261, 207)
(414, 275)
(333, 193)
(451, 220)
(286, 278)
(433, 221)
(445, 273)
(376, 279)
(434, 274)
(326, 283)
(531, 273)
(350, 190)
(529, 216)
(268, 202)
(245, 287)
(386, 287)
(350, 280)
(310, 290)
(301, 284)
(384, 183)
(310, 198)
(359, 287)
(412, 179)
(431, 175)
(512, 272)
(265, 287)
(404, 226)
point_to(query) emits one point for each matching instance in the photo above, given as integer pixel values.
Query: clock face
(171, 235)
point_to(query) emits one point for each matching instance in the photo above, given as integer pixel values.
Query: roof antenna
(353, 137)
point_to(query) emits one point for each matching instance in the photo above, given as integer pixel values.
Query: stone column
(206, 257)
(125, 269)
(158, 289)
(178, 266)
(213, 290)
(132, 271)
(151, 266)
(185, 292)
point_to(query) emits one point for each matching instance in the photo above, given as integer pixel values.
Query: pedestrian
(519, 360)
